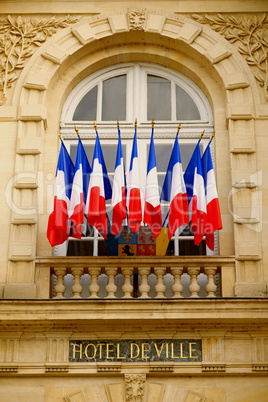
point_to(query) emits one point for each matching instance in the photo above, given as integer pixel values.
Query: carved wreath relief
(136, 19)
(135, 387)
(18, 40)
(251, 36)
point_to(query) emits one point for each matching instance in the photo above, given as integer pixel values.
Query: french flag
(133, 189)
(195, 188)
(79, 190)
(58, 227)
(213, 207)
(174, 191)
(152, 210)
(95, 203)
(119, 190)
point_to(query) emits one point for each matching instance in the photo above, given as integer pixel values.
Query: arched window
(142, 91)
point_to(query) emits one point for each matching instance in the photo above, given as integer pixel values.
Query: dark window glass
(186, 108)
(86, 109)
(114, 99)
(158, 98)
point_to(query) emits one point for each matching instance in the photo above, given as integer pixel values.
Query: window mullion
(173, 101)
(99, 102)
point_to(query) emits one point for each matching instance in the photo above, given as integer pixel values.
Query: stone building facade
(48, 51)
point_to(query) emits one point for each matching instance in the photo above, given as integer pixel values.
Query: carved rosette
(250, 35)
(136, 19)
(135, 384)
(18, 41)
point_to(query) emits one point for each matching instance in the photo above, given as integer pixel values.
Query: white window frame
(136, 94)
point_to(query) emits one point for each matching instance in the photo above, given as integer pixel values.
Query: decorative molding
(18, 39)
(213, 367)
(136, 19)
(260, 366)
(107, 368)
(161, 369)
(135, 384)
(8, 369)
(59, 368)
(250, 36)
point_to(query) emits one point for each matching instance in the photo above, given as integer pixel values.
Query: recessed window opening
(142, 91)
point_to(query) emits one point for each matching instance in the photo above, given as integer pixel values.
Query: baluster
(211, 287)
(177, 287)
(94, 287)
(160, 287)
(144, 287)
(60, 288)
(194, 287)
(77, 288)
(127, 288)
(111, 288)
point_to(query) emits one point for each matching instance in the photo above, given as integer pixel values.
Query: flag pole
(153, 123)
(136, 123)
(95, 126)
(179, 127)
(60, 137)
(213, 135)
(76, 130)
(201, 135)
(117, 124)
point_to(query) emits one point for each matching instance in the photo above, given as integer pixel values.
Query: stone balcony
(110, 278)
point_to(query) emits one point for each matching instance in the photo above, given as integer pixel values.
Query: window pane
(87, 107)
(186, 152)
(186, 109)
(158, 98)
(162, 155)
(114, 99)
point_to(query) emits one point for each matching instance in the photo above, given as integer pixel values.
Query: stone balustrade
(134, 277)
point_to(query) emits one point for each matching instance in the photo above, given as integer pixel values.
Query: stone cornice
(180, 315)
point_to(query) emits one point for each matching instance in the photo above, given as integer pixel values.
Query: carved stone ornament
(136, 19)
(18, 40)
(135, 384)
(251, 37)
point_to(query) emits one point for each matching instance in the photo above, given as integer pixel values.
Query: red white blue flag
(95, 204)
(58, 227)
(79, 190)
(152, 210)
(133, 190)
(119, 190)
(213, 207)
(195, 188)
(174, 191)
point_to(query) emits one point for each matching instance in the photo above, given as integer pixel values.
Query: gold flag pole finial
(60, 137)
(117, 124)
(153, 121)
(76, 130)
(213, 135)
(179, 127)
(136, 123)
(202, 135)
(95, 126)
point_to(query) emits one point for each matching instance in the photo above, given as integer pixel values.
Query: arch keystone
(189, 32)
(155, 23)
(37, 81)
(118, 23)
(84, 33)
(217, 53)
(235, 81)
(55, 54)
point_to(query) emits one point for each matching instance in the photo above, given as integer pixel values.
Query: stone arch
(172, 41)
